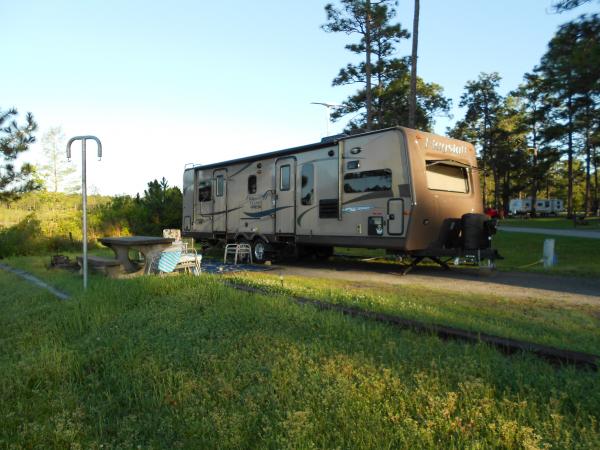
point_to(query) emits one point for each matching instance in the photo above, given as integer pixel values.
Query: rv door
(285, 198)
(220, 201)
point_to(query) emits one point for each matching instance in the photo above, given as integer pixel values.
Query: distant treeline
(51, 221)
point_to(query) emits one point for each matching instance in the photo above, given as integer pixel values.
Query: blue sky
(163, 84)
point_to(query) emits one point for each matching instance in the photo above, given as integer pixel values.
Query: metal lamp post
(83, 139)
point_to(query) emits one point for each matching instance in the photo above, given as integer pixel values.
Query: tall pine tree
(15, 139)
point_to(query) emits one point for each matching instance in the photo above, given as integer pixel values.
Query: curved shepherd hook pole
(83, 139)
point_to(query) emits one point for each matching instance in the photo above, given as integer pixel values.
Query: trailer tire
(259, 251)
(324, 252)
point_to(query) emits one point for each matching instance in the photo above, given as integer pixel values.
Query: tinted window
(444, 177)
(204, 191)
(368, 181)
(220, 186)
(252, 184)
(284, 177)
(308, 184)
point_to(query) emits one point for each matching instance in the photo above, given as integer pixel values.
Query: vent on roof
(332, 139)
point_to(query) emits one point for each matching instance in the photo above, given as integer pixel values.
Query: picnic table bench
(109, 266)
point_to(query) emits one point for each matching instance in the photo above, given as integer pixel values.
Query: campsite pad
(217, 267)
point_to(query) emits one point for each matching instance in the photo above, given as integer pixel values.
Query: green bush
(24, 238)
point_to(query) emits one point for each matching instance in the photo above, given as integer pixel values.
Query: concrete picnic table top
(149, 246)
(131, 241)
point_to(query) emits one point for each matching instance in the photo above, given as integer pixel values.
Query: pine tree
(572, 79)
(534, 104)
(483, 103)
(371, 21)
(567, 5)
(14, 140)
(384, 99)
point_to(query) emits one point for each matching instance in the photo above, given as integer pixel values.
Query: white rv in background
(544, 207)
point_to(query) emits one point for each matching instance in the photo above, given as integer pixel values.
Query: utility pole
(412, 101)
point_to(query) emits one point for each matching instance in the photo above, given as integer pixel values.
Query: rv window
(252, 184)
(284, 178)
(547, 204)
(308, 184)
(204, 191)
(220, 186)
(368, 181)
(444, 177)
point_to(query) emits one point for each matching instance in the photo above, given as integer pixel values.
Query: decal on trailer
(352, 209)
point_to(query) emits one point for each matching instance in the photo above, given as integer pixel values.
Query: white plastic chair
(238, 251)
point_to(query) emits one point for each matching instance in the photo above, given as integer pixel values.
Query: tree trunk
(368, 93)
(596, 204)
(588, 178)
(570, 158)
(484, 195)
(506, 194)
(380, 102)
(412, 101)
(496, 188)
(535, 177)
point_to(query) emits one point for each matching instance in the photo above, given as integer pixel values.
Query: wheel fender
(251, 236)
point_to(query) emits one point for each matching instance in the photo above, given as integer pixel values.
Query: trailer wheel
(324, 252)
(259, 251)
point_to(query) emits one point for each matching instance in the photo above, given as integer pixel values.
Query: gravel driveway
(507, 284)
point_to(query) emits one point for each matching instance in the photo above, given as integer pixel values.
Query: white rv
(544, 207)
(403, 190)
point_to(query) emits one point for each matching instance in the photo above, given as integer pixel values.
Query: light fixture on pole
(84, 193)
(328, 106)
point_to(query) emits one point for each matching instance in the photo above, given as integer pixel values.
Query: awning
(449, 162)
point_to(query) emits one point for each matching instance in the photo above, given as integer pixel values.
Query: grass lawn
(576, 256)
(558, 324)
(593, 223)
(185, 362)
(522, 251)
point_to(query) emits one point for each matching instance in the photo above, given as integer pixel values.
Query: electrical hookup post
(83, 140)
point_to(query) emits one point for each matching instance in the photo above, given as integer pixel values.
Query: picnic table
(148, 246)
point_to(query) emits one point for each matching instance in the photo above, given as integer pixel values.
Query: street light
(328, 106)
(84, 193)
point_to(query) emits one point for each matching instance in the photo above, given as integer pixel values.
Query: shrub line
(506, 345)
(34, 280)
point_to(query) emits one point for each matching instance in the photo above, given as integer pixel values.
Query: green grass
(593, 223)
(563, 325)
(184, 362)
(523, 251)
(576, 256)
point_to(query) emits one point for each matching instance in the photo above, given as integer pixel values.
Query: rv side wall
(390, 196)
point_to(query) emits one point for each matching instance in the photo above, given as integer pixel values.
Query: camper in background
(543, 207)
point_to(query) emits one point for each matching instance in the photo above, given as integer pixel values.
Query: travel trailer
(543, 207)
(410, 192)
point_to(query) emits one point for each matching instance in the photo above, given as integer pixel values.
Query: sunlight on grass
(186, 362)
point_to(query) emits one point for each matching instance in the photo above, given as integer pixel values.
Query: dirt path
(580, 291)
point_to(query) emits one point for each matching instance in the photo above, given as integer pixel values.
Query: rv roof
(325, 142)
